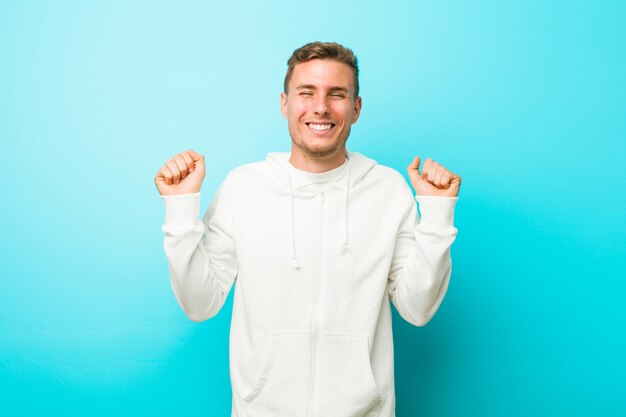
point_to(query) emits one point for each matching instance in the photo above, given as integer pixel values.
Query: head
(321, 99)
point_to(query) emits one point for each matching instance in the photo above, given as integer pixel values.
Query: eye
(306, 93)
(337, 95)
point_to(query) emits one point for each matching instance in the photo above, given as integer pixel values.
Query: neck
(314, 164)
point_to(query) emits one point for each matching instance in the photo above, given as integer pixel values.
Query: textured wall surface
(525, 99)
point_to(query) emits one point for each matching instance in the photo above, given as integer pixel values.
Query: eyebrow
(312, 87)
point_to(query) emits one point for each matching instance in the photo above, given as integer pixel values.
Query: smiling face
(320, 107)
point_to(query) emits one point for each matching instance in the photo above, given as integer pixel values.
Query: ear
(283, 104)
(357, 109)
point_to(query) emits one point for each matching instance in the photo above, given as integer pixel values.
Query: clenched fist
(183, 174)
(434, 180)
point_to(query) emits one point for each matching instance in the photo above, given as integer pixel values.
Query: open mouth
(320, 127)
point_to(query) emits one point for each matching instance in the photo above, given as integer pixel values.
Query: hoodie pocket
(282, 388)
(344, 382)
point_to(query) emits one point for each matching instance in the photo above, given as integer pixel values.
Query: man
(319, 240)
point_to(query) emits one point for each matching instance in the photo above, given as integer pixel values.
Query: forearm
(187, 243)
(423, 272)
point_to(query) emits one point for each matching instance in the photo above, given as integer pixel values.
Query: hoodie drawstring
(294, 260)
(344, 247)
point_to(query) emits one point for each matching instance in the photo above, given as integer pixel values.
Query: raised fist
(434, 180)
(183, 174)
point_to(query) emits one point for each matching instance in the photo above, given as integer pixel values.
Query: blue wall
(525, 99)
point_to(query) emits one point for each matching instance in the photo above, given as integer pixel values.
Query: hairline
(352, 69)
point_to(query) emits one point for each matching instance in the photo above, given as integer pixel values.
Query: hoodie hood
(356, 168)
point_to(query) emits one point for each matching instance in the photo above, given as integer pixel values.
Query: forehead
(322, 73)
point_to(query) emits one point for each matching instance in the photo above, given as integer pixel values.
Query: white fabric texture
(315, 272)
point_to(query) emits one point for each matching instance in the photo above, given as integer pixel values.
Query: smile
(320, 127)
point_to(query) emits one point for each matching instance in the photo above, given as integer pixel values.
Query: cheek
(342, 119)
(344, 112)
(297, 113)
(294, 118)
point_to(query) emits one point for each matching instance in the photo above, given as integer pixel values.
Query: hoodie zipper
(314, 318)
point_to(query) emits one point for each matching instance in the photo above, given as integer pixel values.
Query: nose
(321, 106)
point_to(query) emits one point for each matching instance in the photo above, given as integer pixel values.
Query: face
(320, 107)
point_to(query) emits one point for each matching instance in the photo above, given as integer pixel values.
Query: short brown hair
(323, 50)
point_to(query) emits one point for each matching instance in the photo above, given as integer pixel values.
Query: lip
(323, 132)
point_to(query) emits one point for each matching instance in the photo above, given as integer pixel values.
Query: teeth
(320, 127)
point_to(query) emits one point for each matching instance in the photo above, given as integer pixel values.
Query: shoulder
(238, 182)
(389, 176)
(390, 186)
(387, 173)
(250, 176)
(366, 169)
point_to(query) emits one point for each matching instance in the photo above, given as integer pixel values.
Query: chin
(321, 151)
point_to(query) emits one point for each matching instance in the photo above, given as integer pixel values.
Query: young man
(319, 241)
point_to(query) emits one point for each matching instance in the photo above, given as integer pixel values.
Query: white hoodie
(311, 328)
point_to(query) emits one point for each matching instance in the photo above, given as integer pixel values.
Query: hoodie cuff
(182, 211)
(436, 212)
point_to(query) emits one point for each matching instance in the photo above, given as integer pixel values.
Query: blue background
(525, 99)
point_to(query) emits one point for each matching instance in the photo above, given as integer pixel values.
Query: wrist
(436, 211)
(181, 210)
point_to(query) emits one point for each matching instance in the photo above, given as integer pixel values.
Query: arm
(201, 254)
(421, 265)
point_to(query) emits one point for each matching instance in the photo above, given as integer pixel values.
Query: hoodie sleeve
(421, 264)
(201, 254)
